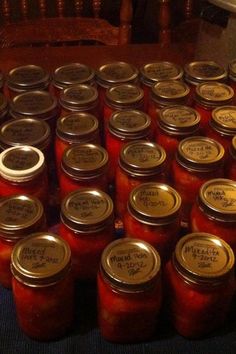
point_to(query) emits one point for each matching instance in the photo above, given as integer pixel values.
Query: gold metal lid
(154, 203)
(179, 120)
(81, 161)
(27, 77)
(232, 148)
(217, 199)
(199, 153)
(200, 71)
(203, 258)
(130, 265)
(79, 127)
(87, 210)
(25, 131)
(130, 124)
(224, 120)
(32, 103)
(214, 94)
(79, 97)
(125, 95)
(116, 73)
(142, 158)
(3, 105)
(158, 71)
(20, 215)
(21, 163)
(169, 92)
(232, 70)
(72, 74)
(41, 259)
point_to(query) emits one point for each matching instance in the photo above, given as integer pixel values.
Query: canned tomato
(129, 291)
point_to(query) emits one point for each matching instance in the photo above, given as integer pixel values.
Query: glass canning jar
(140, 161)
(230, 171)
(198, 159)
(26, 78)
(71, 74)
(20, 215)
(200, 284)
(3, 107)
(208, 96)
(153, 215)
(87, 224)
(23, 171)
(83, 165)
(151, 73)
(129, 291)
(43, 287)
(232, 76)
(214, 210)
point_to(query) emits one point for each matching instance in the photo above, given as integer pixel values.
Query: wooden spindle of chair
(96, 8)
(6, 11)
(42, 8)
(79, 4)
(164, 21)
(126, 14)
(188, 9)
(24, 5)
(60, 6)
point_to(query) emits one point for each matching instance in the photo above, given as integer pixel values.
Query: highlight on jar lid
(84, 160)
(214, 93)
(203, 258)
(41, 259)
(204, 70)
(20, 215)
(176, 119)
(232, 70)
(130, 124)
(77, 127)
(124, 95)
(87, 210)
(72, 74)
(200, 153)
(142, 158)
(130, 265)
(217, 197)
(154, 203)
(224, 120)
(169, 90)
(21, 163)
(116, 73)
(32, 103)
(25, 131)
(27, 77)
(158, 71)
(79, 97)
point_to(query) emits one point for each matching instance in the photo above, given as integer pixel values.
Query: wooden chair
(59, 28)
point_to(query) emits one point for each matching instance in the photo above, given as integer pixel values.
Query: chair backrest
(52, 24)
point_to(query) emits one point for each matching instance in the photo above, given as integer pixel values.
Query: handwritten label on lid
(20, 159)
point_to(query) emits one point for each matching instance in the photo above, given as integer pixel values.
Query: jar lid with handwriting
(116, 73)
(204, 70)
(232, 148)
(214, 94)
(232, 70)
(41, 259)
(158, 71)
(72, 74)
(170, 92)
(79, 97)
(125, 96)
(122, 269)
(224, 120)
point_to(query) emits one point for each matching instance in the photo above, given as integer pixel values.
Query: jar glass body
(230, 171)
(6, 248)
(223, 139)
(205, 114)
(92, 109)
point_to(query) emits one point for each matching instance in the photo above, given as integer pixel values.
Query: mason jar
(230, 171)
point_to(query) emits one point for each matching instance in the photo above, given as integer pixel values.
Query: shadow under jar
(20, 215)
(199, 284)
(129, 291)
(87, 224)
(153, 216)
(43, 286)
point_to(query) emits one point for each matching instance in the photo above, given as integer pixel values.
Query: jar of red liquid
(122, 97)
(173, 125)
(1, 80)
(36, 104)
(75, 128)
(214, 210)
(198, 159)
(154, 216)
(83, 165)
(152, 73)
(231, 163)
(222, 126)
(26, 78)
(129, 291)
(140, 161)
(167, 93)
(87, 224)
(125, 126)
(232, 76)
(3, 108)
(208, 96)
(43, 287)
(200, 284)
(71, 74)
(197, 72)
(20, 216)
(23, 171)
